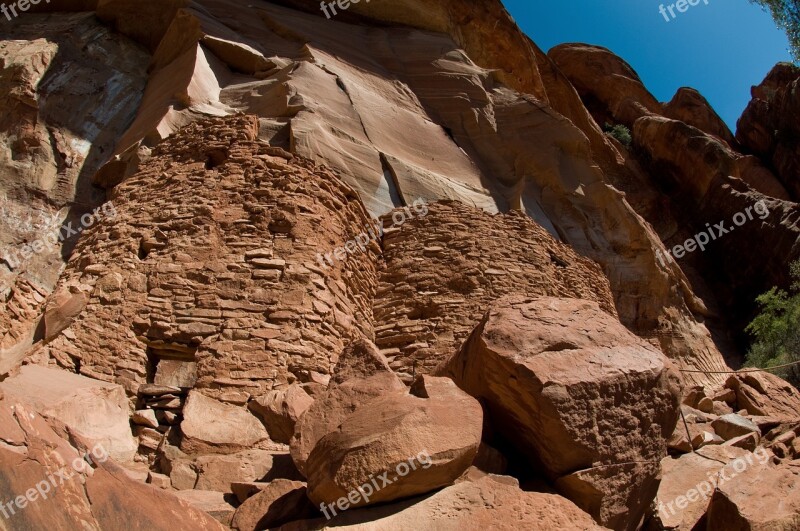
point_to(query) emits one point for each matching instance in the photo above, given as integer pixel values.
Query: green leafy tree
(620, 132)
(787, 15)
(776, 330)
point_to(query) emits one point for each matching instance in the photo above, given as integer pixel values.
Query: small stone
(148, 437)
(269, 263)
(733, 425)
(267, 274)
(745, 442)
(264, 252)
(167, 417)
(706, 405)
(145, 417)
(705, 438)
(167, 402)
(159, 480)
(157, 390)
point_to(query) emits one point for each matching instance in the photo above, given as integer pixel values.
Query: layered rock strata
(210, 267)
(315, 84)
(441, 272)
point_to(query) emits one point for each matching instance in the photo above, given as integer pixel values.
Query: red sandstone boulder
(56, 479)
(764, 394)
(761, 496)
(575, 390)
(279, 410)
(397, 446)
(218, 472)
(277, 503)
(361, 375)
(732, 426)
(98, 410)
(213, 427)
(488, 502)
(688, 483)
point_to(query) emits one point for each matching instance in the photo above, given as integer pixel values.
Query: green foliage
(776, 330)
(620, 132)
(787, 15)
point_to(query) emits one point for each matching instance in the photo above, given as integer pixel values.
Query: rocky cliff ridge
(323, 249)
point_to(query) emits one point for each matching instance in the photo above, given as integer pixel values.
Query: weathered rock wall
(442, 271)
(212, 259)
(69, 86)
(367, 103)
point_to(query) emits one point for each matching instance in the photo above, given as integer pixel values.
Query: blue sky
(721, 49)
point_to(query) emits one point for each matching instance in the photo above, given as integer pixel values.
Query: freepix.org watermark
(706, 488)
(369, 488)
(373, 233)
(45, 487)
(681, 6)
(57, 235)
(701, 239)
(343, 5)
(22, 5)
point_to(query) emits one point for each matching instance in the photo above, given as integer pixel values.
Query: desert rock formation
(302, 254)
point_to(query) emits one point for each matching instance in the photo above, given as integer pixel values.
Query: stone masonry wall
(210, 263)
(441, 271)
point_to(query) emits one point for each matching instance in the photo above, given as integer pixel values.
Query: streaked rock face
(366, 102)
(69, 87)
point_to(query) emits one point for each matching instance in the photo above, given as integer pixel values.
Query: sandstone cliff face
(70, 86)
(767, 127)
(316, 84)
(294, 219)
(683, 151)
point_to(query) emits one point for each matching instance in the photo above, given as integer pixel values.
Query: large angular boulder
(361, 375)
(280, 409)
(732, 425)
(761, 496)
(218, 472)
(582, 396)
(688, 482)
(764, 394)
(277, 503)
(489, 502)
(397, 446)
(98, 410)
(51, 479)
(213, 427)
